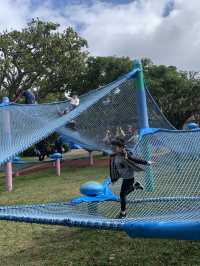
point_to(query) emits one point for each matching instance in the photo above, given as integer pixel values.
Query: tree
(103, 70)
(46, 60)
(41, 58)
(176, 92)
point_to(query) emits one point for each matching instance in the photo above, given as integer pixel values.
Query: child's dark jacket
(123, 165)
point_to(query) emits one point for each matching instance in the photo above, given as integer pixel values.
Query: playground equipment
(73, 146)
(56, 157)
(19, 165)
(192, 126)
(169, 205)
(91, 188)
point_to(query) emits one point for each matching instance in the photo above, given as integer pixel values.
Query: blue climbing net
(170, 201)
(112, 108)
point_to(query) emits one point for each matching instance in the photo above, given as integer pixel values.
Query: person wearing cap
(123, 165)
(29, 97)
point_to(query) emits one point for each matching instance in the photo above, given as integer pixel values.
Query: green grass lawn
(26, 244)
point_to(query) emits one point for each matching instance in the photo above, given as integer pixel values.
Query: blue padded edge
(178, 229)
(89, 223)
(146, 131)
(56, 155)
(4, 104)
(181, 230)
(133, 72)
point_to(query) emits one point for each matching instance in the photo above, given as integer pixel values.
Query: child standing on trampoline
(123, 165)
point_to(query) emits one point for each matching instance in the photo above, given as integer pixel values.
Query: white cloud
(140, 30)
(13, 14)
(136, 29)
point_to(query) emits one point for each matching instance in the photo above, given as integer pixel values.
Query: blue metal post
(143, 122)
(7, 132)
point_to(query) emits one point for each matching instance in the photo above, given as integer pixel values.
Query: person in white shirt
(74, 102)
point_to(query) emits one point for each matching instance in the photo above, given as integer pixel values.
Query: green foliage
(176, 92)
(41, 58)
(103, 70)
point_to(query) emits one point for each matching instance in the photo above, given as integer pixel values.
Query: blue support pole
(143, 122)
(7, 132)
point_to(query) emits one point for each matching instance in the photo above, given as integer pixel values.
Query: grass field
(25, 244)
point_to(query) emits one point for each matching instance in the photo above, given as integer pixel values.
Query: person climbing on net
(123, 165)
(74, 102)
(28, 95)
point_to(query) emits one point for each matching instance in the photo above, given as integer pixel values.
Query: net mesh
(23, 125)
(111, 108)
(171, 187)
(113, 115)
(171, 184)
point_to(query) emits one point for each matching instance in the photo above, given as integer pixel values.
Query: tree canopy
(42, 58)
(103, 70)
(176, 92)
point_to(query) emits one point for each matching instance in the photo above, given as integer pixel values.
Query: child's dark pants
(126, 188)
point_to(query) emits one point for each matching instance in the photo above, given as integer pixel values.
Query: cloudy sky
(167, 31)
